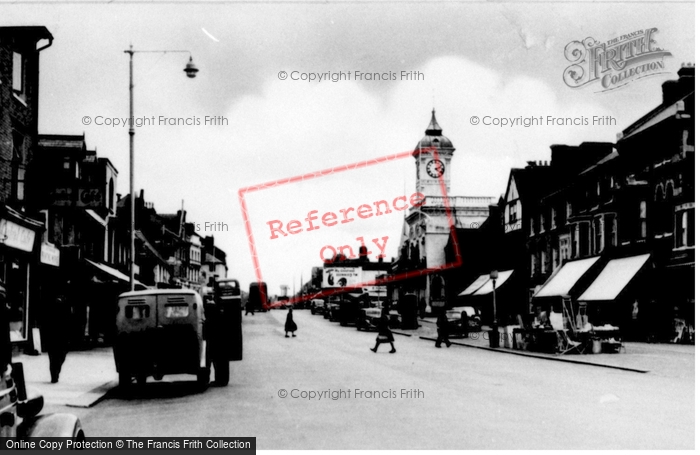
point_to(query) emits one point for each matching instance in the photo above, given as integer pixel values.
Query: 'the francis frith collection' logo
(614, 63)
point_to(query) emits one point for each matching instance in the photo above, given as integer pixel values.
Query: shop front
(19, 238)
(618, 295)
(479, 294)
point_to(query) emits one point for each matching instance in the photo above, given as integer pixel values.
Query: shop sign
(87, 197)
(50, 255)
(90, 197)
(16, 236)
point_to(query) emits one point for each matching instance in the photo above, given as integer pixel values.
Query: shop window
(575, 241)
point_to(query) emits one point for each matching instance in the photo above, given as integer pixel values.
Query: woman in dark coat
(465, 324)
(290, 325)
(56, 334)
(384, 335)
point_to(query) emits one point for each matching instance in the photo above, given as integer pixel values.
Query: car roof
(158, 292)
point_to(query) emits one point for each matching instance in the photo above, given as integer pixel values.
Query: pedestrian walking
(249, 307)
(384, 335)
(56, 328)
(290, 325)
(465, 323)
(443, 332)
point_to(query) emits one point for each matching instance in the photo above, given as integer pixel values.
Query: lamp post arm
(191, 71)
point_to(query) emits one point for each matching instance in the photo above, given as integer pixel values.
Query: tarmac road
(456, 398)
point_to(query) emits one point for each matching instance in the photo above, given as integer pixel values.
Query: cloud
(296, 127)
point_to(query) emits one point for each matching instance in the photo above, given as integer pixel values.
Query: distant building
(214, 266)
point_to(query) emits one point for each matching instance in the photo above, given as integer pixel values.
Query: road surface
(456, 398)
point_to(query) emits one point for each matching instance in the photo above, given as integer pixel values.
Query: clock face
(435, 168)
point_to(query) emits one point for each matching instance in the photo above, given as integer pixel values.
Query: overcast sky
(477, 59)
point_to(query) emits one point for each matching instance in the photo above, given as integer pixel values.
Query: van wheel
(203, 378)
(221, 373)
(124, 379)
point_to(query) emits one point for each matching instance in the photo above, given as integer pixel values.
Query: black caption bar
(242, 446)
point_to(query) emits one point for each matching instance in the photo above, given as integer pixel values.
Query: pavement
(672, 360)
(88, 376)
(85, 378)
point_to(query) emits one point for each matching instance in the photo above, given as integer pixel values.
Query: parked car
(332, 306)
(456, 321)
(317, 306)
(20, 405)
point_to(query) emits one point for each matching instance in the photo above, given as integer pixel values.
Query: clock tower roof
(433, 137)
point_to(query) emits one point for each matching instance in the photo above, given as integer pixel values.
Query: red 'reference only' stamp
(306, 224)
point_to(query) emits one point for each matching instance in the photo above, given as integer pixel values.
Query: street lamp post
(191, 71)
(494, 333)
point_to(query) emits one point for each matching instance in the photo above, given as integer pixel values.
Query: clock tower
(427, 228)
(431, 170)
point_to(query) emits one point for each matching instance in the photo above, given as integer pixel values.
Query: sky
(477, 59)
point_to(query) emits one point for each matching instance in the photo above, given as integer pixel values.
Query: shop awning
(488, 287)
(614, 278)
(482, 285)
(114, 272)
(472, 288)
(566, 278)
(96, 217)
